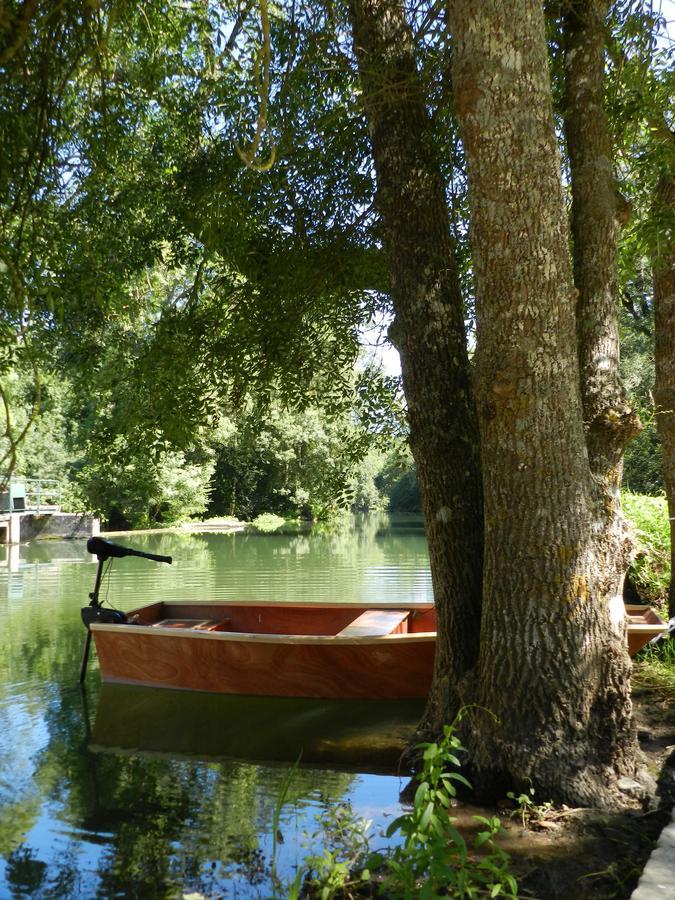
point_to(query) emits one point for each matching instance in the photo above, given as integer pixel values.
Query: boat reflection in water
(361, 735)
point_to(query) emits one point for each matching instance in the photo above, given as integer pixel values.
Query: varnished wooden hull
(338, 651)
(642, 625)
(330, 660)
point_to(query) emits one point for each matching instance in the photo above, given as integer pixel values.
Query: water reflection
(182, 796)
(10, 555)
(367, 735)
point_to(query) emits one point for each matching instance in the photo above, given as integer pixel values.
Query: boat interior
(279, 618)
(642, 625)
(346, 620)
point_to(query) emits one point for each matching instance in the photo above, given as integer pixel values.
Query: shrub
(650, 569)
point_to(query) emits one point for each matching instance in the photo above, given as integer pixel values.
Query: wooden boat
(642, 625)
(380, 651)
(324, 650)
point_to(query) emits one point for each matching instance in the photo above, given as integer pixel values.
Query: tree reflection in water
(167, 792)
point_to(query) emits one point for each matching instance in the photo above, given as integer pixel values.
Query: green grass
(655, 668)
(650, 570)
(268, 522)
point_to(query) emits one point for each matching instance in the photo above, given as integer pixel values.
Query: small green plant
(268, 522)
(434, 856)
(341, 865)
(529, 811)
(433, 859)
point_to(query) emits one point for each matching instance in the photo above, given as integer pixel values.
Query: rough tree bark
(552, 666)
(664, 329)
(597, 214)
(598, 211)
(430, 335)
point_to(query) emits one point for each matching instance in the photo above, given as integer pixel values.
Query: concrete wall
(57, 525)
(10, 528)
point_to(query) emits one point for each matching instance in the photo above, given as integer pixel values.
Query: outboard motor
(95, 612)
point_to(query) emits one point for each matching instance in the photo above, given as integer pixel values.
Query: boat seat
(194, 624)
(375, 622)
(182, 623)
(210, 625)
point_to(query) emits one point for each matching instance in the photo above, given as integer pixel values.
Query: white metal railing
(37, 495)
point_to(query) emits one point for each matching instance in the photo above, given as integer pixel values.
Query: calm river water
(129, 792)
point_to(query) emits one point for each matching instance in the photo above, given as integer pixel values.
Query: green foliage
(362, 488)
(642, 471)
(44, 451)
(340, 867)
(133, 489)
(435, 857)
(118, 163)
(640, 92)
(268, 522)
(650, 569)
(293, 464)
(397, 481)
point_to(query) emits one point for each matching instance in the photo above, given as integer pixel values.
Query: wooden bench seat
(211, 625)
(375, 623)
(194, 624)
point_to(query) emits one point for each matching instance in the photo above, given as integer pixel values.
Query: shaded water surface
(129, 792)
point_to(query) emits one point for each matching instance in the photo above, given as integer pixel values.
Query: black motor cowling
(106, 550)
(102, 615)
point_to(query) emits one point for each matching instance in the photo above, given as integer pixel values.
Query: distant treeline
(263, 458)
(299, 464)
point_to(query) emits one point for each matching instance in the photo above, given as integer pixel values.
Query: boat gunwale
(647, 626)
(412, 605)
(658, 627)
(261, 638)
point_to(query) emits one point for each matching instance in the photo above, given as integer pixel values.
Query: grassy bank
(650, 569)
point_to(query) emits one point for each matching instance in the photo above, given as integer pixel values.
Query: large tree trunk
(597, 214)
(664, 327)
(552, 667)
(596, 218)
(430, 335)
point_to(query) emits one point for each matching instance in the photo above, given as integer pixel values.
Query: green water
(128, 792)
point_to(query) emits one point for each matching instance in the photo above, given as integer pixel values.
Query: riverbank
(555, 853)
(218, 524)
(592, 854)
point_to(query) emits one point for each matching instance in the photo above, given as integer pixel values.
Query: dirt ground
(585, 854)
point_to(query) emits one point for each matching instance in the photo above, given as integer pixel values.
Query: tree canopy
(202, 205)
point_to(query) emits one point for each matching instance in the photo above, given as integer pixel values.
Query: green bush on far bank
(268, 522)
(650, 570)
(397, 481)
